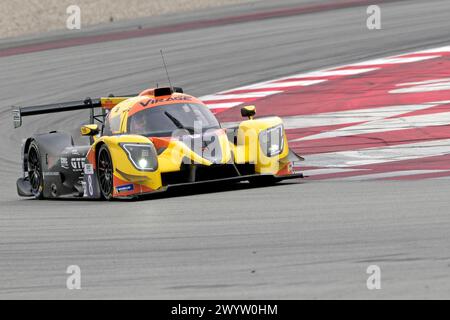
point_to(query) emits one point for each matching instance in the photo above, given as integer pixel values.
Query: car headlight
(142, 156)
(272, 141)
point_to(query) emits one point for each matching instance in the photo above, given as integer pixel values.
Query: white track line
(394, 60)
(422, 82)
(344, 117)
(434, 50)
(333, 73)
(226, 105)
(269, 85)
(383, 125)
(369, 156)
(239, 96)
(316, 172)
(426, 86)
(442, 178)
(349, 116)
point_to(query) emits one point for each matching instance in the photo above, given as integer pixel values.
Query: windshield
(164, 120)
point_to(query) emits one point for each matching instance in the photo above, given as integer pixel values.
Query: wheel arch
(97, 148)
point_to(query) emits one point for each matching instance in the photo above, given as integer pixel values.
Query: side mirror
(248, 111)
(90, 130)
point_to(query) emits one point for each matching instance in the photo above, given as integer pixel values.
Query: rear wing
(105, 103)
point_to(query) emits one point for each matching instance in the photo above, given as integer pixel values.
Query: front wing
(222, 181)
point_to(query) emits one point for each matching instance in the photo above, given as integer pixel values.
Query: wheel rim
(105, 173)
(34, 170)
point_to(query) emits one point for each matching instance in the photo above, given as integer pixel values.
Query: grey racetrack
(292, 241)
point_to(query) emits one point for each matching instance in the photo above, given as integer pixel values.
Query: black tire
(35, 175)
(105, 172)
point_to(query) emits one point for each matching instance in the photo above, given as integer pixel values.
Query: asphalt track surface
(295, 240)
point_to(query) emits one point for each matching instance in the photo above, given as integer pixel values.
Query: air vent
(167, 91)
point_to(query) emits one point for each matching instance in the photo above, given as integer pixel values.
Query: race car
(141, 144)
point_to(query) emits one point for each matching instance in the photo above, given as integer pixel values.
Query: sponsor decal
(64, 163)
(71, 151)
(77, 164)
(75, 152)
(124, 188)
(88, 168)
(155, 101)
(17, 118)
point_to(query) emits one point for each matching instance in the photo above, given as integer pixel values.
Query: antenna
(165, 67)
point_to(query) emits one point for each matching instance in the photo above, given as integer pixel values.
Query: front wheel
(105, 173)
(35, 171)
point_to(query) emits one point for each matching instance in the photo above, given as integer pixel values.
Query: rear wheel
(105, 172)
(35, 171)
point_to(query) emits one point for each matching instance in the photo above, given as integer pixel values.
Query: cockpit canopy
(164, 120)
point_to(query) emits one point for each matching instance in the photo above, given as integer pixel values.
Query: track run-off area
(374, 114)
(382, 119)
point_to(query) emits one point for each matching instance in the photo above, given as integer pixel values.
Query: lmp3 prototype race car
(147, 143)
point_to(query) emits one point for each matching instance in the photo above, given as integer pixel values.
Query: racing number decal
(90, 187)
(91, 184)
